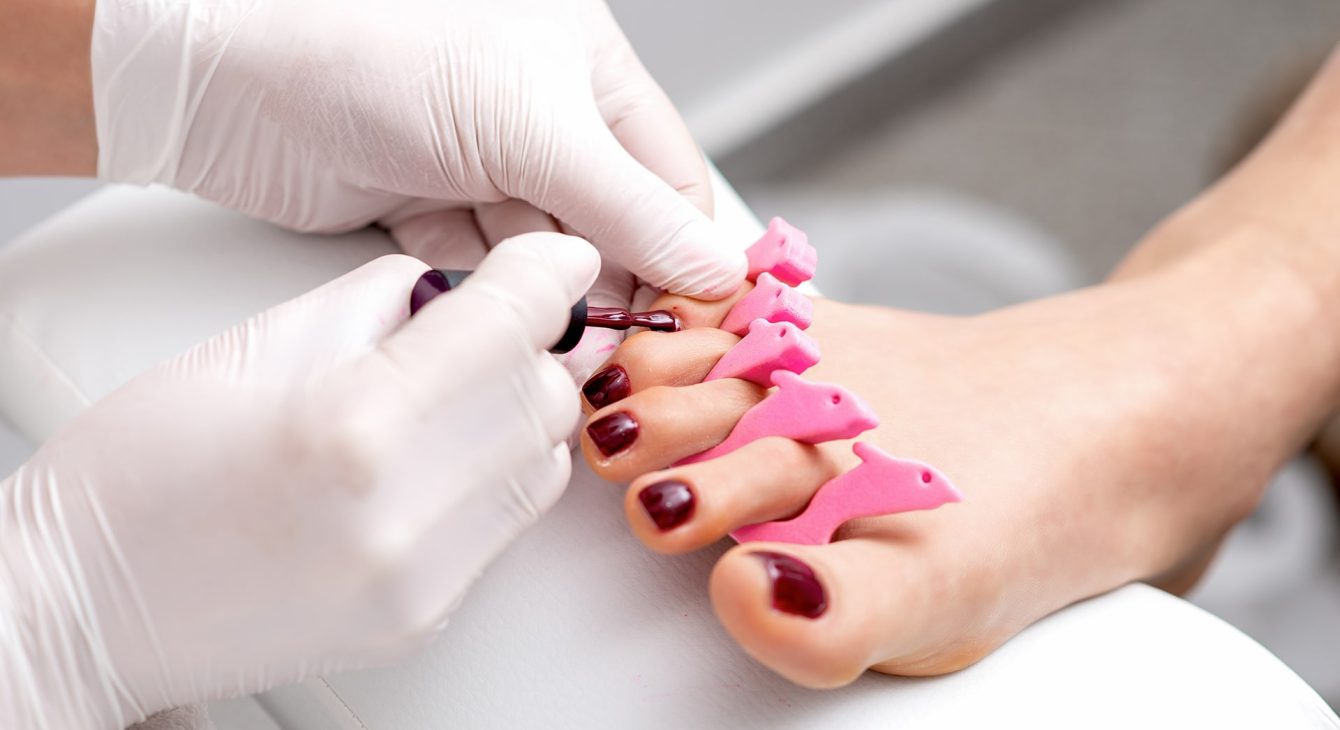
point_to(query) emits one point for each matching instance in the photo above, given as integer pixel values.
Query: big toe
(822, 615)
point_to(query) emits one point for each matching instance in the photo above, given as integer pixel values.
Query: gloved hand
(325, 115)
(469, 236)
(310, 491)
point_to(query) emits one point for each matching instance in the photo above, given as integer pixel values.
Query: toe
(650, 359)
(657, 427)
(822, 615)
(694, 313)
(688, 507)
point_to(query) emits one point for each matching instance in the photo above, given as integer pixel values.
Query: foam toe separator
(784, 252)
(770, 300)
(769, 347)
(801, 410)
(881, 485)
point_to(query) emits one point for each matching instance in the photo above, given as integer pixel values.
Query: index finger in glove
(646, 123)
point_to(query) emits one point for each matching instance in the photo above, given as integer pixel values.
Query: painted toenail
(669, 503)
(614, 433)
(607, 386)
(795, 589)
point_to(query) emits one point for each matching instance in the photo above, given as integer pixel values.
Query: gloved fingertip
(702, 273)
(547, 491)
(730, 278)
(565, 410)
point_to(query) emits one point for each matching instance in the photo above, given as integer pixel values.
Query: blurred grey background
(1045, 136)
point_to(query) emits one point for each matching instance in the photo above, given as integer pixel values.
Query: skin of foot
(1110, 435)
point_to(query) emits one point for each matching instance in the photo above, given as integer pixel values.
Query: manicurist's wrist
(46, 98)
(26, 678)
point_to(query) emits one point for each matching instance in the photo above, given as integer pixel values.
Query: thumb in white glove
(326, 115)
(312, 490)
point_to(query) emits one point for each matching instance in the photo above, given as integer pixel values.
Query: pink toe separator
(785, 252)
(775, 351)
(881, 485)
(769, 347)
(799, 410)
(770, 300)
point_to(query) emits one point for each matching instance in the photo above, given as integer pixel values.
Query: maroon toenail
(795, 589)
(432, 283)
(607, 386)
(613, 433)
(669, 503)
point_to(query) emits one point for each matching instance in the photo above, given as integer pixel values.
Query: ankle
(1258, 318)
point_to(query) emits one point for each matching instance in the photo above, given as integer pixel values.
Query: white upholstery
(576, 626)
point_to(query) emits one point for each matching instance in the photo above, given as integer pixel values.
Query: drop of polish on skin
(795, 589)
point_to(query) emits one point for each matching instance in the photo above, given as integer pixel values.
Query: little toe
(650, 359)
(659, 426)
(689, 507)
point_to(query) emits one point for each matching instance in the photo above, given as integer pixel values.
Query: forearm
(46, 96)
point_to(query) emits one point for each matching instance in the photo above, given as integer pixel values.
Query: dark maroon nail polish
(658, 321)
(795, 589)
(432, 283)
(607, 386)
(615, 318)
(613, 433)
(669, 503)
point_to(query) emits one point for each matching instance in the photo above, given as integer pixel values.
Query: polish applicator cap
(440, 281)
(576, 328)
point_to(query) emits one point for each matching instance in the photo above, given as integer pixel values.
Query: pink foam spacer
(881, 485)
(785, 252)
(771, 300)
(800, 410)
(769, 347)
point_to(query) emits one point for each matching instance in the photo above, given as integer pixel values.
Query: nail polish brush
(438, 281)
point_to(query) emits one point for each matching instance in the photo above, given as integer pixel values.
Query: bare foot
(1106, 436)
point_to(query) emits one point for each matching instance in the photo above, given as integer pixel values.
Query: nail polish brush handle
(439, 281)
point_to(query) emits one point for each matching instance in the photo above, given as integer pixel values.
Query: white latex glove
(325, 115)
(470, 234)
(313, 490)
